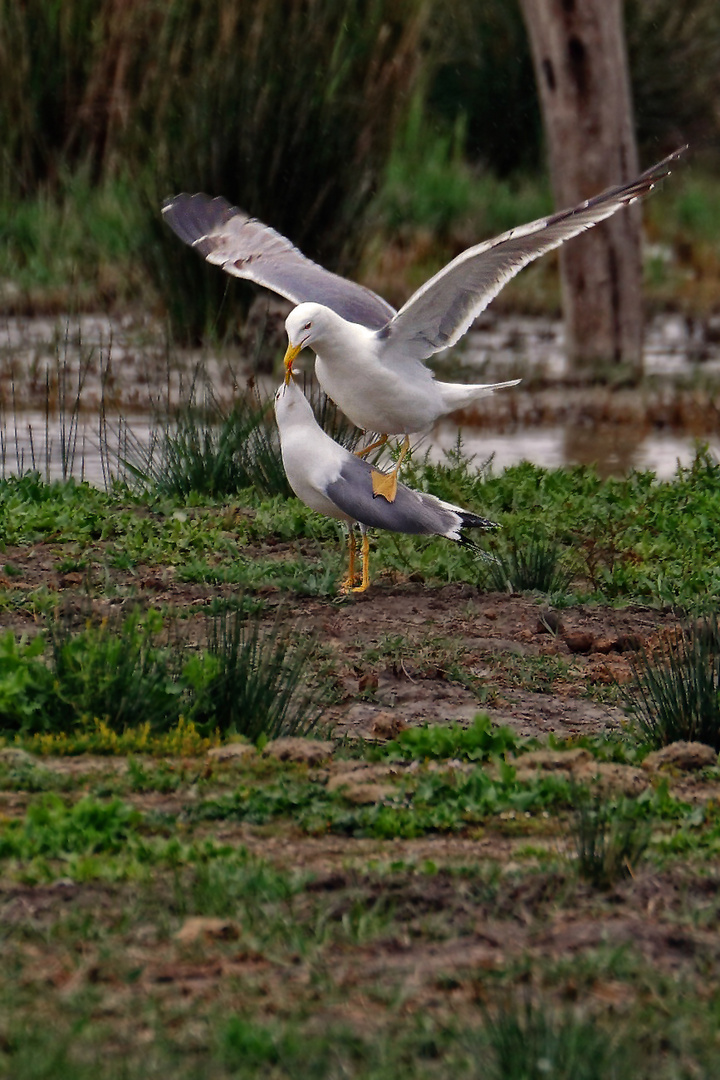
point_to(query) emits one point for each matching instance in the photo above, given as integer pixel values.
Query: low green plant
(98, 737)
(228, 886)
(480, 741)
(116, 673)
(26, 683)
(610, 839)
(52, 829)
(675, 690)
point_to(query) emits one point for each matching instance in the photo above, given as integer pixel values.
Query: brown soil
(424, 655)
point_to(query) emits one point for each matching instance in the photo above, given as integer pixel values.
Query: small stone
(152, 582)
(294, 748)
(628, 643)
(234, 751)
(368, 681)
(687, 756)
(579, 641)
(361, 794)
(71, 578)
(386, 725)
(606, 644)
(199, 927)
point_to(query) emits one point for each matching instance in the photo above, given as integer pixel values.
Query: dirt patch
(402, 653)
(453, 652)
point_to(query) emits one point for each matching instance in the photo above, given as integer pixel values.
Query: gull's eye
(307, 326)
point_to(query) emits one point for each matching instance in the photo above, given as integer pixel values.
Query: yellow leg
(373, 446)
(365, 566)
(347, 584)
(385, 484)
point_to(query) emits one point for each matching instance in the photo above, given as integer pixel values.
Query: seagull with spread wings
(369, 358)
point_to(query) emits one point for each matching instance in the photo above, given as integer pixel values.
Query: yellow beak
(290, 357)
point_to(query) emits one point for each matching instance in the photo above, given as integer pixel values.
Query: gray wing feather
(411, 512)
(244, 247)
(443, 309)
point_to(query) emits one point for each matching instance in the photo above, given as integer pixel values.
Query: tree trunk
(581, 69)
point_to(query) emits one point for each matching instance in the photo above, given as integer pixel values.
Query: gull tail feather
(460, 395)
(472, 521)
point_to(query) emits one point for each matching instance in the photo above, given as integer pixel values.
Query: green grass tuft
(610, 840)
(529, 1042)
(253, 681)
(529, 561)
(675, 693)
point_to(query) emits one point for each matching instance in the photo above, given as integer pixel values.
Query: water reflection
(613, 450)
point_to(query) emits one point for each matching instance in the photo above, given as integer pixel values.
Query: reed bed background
(301, 112)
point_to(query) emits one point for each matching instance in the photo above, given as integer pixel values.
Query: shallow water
(614, 451)
(97, 456)
(121, 369)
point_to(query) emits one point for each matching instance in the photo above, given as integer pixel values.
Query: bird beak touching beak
(290, 356)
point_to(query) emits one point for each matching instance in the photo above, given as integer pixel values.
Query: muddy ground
(403, 652)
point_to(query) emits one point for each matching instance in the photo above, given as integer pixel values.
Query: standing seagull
(331, 480)
(369, 358)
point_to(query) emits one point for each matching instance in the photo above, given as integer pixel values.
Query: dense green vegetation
(619, 539)
(244, 681)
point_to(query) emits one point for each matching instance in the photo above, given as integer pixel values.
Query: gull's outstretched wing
(243, 246)
(442, 309)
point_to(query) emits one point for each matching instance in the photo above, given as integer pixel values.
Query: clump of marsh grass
(246, 678)
(609, 841)
(119, 672)
(675, 689)
(526, 563)
(531, 1042)
(252, 680)
(213, 451)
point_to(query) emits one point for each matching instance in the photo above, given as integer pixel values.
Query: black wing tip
(646, 181)
(474, 521)
(624, 193)
(661, 168)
